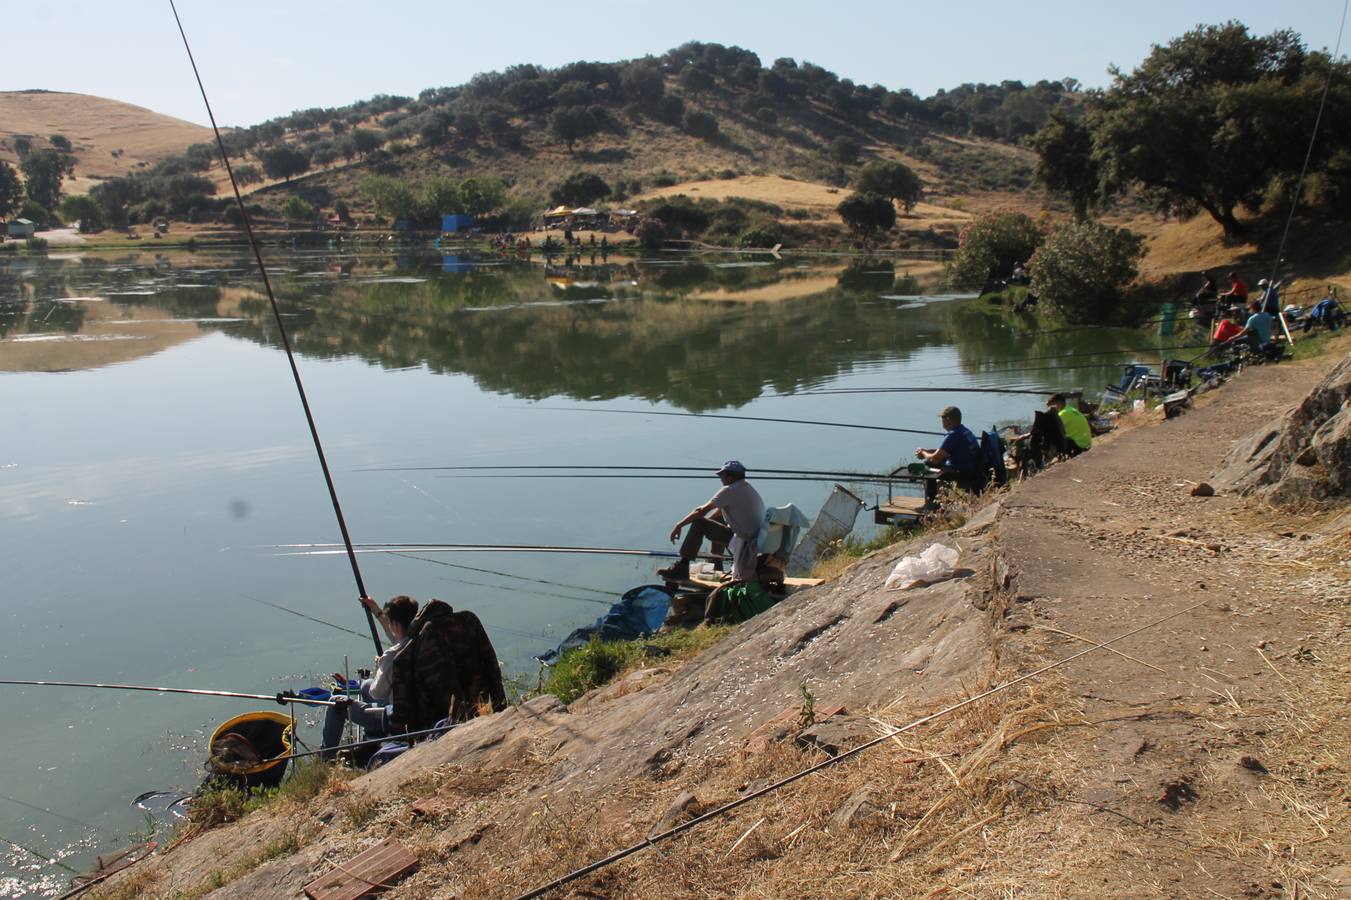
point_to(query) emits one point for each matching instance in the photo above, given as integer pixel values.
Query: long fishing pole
(708, 470)
(869, 479)
(302, 615)
(644, 412)
(282, 697)
(285, 340)
(478, 548)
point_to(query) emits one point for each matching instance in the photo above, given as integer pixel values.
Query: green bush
(36, 244)
(1082, 268)
(763, 236)
(990, 246)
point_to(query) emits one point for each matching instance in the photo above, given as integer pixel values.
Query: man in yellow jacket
(1079, 437)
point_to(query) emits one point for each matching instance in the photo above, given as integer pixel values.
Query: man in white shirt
(743, 515)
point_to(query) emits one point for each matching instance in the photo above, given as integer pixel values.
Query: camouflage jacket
(446, 670)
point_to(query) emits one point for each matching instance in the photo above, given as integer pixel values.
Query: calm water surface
(154, 453)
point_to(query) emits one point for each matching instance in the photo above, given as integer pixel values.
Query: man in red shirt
(1237, 293)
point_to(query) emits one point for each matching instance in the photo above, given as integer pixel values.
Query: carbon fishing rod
(644, 412)
(652, 476)
(285, 340)
(583, 468)
(276, 698)
(477, 548)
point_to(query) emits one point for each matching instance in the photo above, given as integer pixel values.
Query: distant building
(22, 228)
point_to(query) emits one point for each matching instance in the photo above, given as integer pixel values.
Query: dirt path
(1233, 739)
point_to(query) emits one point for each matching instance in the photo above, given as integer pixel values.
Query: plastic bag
(934, 564)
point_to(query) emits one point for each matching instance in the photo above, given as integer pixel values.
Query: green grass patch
(224, 803)
(600, 662)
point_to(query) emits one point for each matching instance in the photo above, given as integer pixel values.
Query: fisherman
(1237, 293)
(1270, 297)
(1257, 329)
(957, 459)
(736, 524)
(1078, 434)
(373, 709)
(1225, 330)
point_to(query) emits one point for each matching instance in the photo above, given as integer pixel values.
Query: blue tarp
(638, 613)
(456, 222)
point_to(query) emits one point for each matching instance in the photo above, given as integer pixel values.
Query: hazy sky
(263, 59)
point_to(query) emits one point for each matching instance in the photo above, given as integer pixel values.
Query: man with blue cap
(742, 515)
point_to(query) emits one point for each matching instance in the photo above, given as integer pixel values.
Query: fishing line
(500, 587)
(304, 616)
(53, 813)
(485, 548)
(285, 340)
(44, 858)
(643, 412)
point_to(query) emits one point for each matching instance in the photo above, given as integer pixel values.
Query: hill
(696, 113)
(108, 138)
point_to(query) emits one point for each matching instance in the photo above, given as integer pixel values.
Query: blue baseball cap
(733, 466)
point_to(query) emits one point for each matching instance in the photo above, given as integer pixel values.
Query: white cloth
(382, 685)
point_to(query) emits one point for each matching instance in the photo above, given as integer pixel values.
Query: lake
(155, 461)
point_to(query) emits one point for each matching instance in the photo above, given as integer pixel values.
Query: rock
(1314, 436)
(859, 809)
(837, 735)
(1252, 764)
(685, 806)
(1203, 490)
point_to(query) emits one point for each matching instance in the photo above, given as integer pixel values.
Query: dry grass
(96, 127)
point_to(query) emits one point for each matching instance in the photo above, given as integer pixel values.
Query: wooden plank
(907, 508)
(364, 874)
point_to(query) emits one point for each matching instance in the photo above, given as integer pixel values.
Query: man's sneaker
(676, 572)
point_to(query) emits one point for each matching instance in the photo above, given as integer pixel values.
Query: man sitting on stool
(1078, 433)
(957, 459)
(743, 515)
(371, 711)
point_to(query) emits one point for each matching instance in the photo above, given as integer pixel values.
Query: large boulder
(1302, 456)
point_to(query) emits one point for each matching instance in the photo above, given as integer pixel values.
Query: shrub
(767, 116)
(990, 246)
(651, 234)
(700, 124)
(763, 236)
(36, 244)
(867, 213)
(664, 179)
(579, 189)
(297, 209)
(1081, 269)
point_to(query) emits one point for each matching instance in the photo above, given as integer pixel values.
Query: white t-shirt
(382, 685)
(741, 507)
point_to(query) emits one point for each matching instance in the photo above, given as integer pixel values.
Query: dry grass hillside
(109, 137)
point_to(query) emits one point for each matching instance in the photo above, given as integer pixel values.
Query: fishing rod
(478, 548)
(644, 412)
(282, 697)
(305, 616)
(706, 469)
(868, 479)
(285, 340)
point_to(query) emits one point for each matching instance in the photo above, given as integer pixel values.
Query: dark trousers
(967, 481)
(717, 533)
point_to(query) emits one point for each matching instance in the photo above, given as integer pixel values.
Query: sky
(264, 59)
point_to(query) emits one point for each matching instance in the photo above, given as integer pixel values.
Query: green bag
(741, 601)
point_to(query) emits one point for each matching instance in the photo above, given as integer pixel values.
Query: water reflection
(700, 333)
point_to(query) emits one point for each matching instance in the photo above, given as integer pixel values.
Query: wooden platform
(366, 873)
(898, 510)
(711, 582)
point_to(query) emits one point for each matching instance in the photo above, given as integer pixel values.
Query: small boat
(251, 750)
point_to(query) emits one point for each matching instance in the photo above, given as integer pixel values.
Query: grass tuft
(600, 662)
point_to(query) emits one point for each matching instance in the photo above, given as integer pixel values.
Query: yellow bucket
(269, 733)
